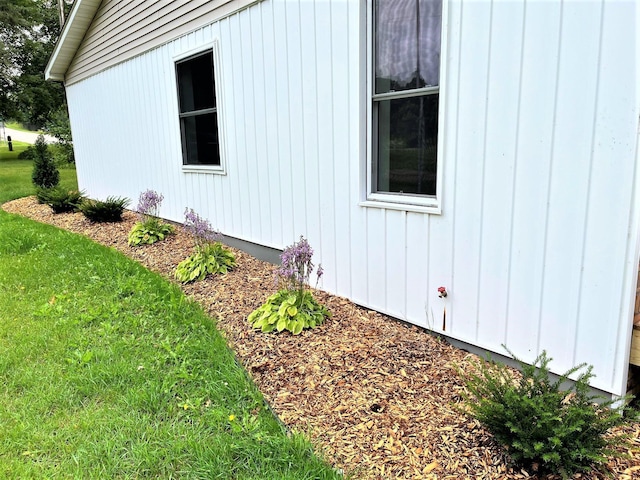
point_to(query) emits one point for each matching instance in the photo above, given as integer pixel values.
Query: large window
(198, 110)
(405, 94)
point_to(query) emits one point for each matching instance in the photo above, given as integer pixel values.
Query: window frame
(214, 48)
(393, 200)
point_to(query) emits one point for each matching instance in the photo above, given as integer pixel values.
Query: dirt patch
(378, 398)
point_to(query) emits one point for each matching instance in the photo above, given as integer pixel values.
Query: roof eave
(74, 30)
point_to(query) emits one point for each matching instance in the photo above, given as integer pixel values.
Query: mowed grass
(108, 371)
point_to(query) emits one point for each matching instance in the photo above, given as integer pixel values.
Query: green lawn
(108, 371)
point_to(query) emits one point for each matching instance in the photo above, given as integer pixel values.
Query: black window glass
(196, 83)
(201, 143)
(407, 145)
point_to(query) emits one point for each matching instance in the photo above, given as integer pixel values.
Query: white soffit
(74, 30)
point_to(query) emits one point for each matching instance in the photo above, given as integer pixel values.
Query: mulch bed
(378, 398)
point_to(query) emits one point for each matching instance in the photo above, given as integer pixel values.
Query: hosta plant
(293, 307)
(150, 229)
(292, 311)
(544, 427)
(149, 232)
(209, 257)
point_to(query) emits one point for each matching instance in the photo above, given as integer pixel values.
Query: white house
(485, 146)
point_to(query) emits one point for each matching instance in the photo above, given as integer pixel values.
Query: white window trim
(400, 201)
(220, 108)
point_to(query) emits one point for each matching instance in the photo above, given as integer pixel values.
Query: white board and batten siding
(537, 239)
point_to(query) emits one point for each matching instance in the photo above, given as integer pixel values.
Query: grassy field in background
(108, 371)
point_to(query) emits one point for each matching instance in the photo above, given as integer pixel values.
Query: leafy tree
(29, 30)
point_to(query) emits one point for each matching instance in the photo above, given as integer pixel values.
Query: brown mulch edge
(378, 398)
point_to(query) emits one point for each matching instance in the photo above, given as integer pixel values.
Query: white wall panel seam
(549, 178)
(482, 178)
(514, 174)
(581, 280)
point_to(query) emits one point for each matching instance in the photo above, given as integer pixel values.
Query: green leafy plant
(292, 311)
(150, 229)
(210, 256)
(62, 200)
(109, 210)
(293, 307)
(207, 259)
(544, 427)
(149, 232)
(45, 174)
(42, 194)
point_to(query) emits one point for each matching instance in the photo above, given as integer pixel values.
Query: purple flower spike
(149, 203)
(199, 228)
(296, 266)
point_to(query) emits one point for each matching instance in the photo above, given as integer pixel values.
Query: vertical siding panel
(341, 131)
(417, 268)
(613, 147)
(284, 127)
(310, 121)
(325, 143)
(296, 117)
(358, 39)
(271, 123)
(470, 109)
(254, 210)
(240, 163)
(541, 42)
(260, 153)
(569, 179)
(395, 245)
(377, 261)
(501, 131)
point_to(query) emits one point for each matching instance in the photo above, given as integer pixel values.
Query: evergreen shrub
(45, 174)
(544, 427)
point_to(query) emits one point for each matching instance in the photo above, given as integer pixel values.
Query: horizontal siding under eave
(118, 34)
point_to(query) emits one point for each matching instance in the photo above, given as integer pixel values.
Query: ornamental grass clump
(109, 210)
(210, 256)
(150, 229)
(293, 307)
(543, 427)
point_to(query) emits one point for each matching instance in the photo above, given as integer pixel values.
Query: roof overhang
(74, 30)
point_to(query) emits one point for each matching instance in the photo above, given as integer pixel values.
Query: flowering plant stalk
(150, 229)
(293, 307)
(210, 257)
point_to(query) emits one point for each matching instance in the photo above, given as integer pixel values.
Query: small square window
(198, 110)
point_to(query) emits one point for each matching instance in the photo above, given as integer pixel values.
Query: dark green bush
(543, 427)
(42, 194)
(28, 153)
(61, 200)
(45, 174)
(109, 210)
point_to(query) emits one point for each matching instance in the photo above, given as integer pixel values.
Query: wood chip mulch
(379, 399)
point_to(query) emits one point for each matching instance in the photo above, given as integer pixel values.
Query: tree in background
(29, 30)
(45, 174)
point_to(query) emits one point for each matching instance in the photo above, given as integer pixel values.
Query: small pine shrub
(109, 210)
(61, 200)
(42, 194)
(28, 153)
(543, 427)
(45, 174)
(149, 232)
